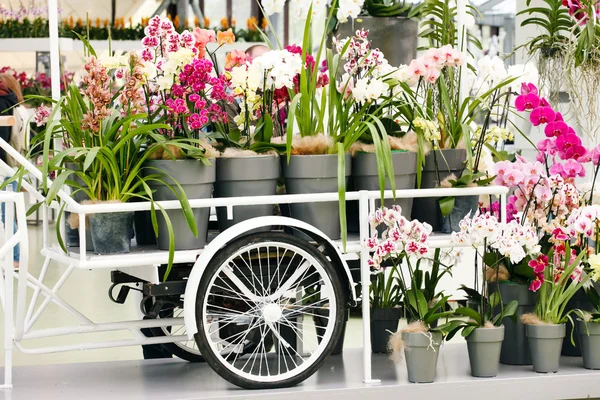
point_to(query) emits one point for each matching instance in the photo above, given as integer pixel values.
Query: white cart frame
(20, 316)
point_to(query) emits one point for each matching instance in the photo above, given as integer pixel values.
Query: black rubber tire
(211, 269)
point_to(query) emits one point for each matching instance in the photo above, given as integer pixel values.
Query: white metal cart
(248, 303)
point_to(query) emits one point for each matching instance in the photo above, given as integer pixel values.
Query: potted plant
(178, 74)
(500, 242)
(405, 241)
(249, 164)
(103, 157)
(384, 20)
(329, 118)
(588, 325)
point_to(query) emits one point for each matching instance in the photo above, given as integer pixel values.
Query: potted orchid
(326, 116)
(368, 73)
(249, 164)
(405, 242)
(499, 243)
(181, 91)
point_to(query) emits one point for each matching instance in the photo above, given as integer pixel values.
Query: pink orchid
(527, 88)
(527, 102)
(542, 115)
(596, 155)
(573, 168)
(564, 142)
(556, 128)
(537, 266)
(536, 284)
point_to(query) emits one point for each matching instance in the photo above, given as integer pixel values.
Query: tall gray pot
(365, 177)
(484, 345)
(545, 343)
(196, 180)
(246, 176)
(578, 302)
(421, 353)
(590, 343)
(515, 347)
(449, 161)
(309, 174)
(72, 235)
(111, 232)
(396, 37)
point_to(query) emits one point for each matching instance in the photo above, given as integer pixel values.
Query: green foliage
(555, 26)
(388, 8)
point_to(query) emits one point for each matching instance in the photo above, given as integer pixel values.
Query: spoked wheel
(186, 350)
(255, 309)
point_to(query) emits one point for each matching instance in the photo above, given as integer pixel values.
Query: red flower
(536, 284)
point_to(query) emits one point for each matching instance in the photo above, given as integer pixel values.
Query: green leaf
(470, 313)
(468, 330)
(446, 205)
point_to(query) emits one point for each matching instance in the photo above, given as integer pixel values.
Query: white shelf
(23, 45)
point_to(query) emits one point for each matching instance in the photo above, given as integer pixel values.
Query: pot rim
(248, 157)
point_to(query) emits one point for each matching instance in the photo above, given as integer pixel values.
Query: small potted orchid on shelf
(499, 243)
(403, 245)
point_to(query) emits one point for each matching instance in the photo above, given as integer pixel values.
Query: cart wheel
(263, 289)
(186, 350)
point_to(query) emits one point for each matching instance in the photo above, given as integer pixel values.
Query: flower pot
(484, 346)
(545, 342)
(449, 161)
(383, 34)
(463, 205)
(307, 174)
(246, 176)
(144, 231)
(384, 322)
(365, 177)
(578, 302)
(590, 343)
(72, 235)
(111, 232)
(421, 353)
(321, 320)
(196, 180)
(515, 347)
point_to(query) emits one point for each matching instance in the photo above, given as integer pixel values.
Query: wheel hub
(271, 313)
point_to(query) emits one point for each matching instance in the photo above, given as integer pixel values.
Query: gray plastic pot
(484, 345)
(515, 347)
(111, 232)
(545, 343)
(246, 176)
(196, 180)
(307, 174)
(449, 161)
(72, 235)
(590, 343)
(421, 353)
(579, 301)
(463, 205)
(365, 177)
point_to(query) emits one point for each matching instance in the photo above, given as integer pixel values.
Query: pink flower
(416, 69)
(371, 243)
(42, 115)
(432, 74)
(527, 102)
(543, 192)
(536, 284)
(573, 168)
(577, 152)
(556, 128)
(542, 115)
(564, 142)
(514, 177)
(557, 169)
(596, 155)
(537, 266)
(527, 88)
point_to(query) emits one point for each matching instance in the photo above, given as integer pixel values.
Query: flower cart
(228, 303)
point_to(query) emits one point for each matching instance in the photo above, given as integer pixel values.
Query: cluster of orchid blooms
(580, 10)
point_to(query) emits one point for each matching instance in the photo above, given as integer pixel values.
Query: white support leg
(365, 277)
(8, 297)
(36, 291)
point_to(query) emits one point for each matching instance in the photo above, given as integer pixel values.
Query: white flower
(349, 9)
(113, 62)
(149, 70)
(273, 6)
(524, 73)
(165, 82)
(279, 67)
(367, 90)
